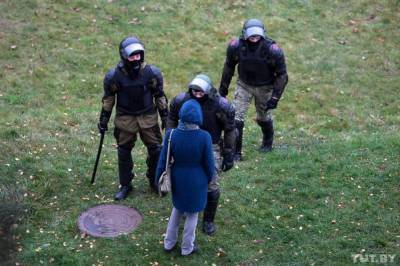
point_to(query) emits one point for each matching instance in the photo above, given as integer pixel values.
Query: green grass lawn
(329, 190)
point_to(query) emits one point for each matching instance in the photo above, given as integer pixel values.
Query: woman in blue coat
(191, 171)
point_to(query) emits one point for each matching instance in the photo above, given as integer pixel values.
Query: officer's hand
(223, 91)
(102, 128)
(272, 103)
(227, 162)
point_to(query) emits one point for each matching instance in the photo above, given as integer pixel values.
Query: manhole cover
(109, 220)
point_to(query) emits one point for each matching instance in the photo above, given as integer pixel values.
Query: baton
(97, 158)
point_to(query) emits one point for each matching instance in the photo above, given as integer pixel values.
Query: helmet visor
(198, 83)
(253, 31)
(132, 48)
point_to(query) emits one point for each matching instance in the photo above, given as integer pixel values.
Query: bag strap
(168, 150)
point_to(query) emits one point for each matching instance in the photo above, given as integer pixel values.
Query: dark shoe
(265, 148)
(209, 228)
(123, 192)
(171, 249)
(194, 250)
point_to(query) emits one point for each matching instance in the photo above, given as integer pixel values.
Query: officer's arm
(231, 61)
(108, 100)
(227, 118)
(157, 88)
(281, 76)
(173, 114)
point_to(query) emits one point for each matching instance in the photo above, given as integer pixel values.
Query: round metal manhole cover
(109, 220)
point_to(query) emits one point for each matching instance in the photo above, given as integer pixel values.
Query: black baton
(97, 158)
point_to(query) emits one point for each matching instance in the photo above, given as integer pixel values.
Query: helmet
(129, 46)
(201, 82)
(253, 27)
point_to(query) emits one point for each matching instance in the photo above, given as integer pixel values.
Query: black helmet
(127, 47)
(253, 27)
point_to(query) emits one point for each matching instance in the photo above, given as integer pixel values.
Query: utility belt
(267, 87)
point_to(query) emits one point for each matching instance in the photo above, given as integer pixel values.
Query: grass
(330, 188)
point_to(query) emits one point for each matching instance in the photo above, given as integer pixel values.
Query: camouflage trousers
(244, 94)
(214, 184)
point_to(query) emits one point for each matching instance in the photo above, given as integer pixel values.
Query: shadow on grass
(11, 211)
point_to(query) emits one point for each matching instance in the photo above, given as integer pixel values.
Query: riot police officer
(137, 88)
(218, 117)
(262, 75)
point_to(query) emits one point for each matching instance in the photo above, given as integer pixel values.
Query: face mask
(133, 67)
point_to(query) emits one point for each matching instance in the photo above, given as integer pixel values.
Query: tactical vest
(256, 67)
(133, 96)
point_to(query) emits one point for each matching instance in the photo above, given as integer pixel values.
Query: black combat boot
(151, 161)
(123, 192)
(125, 166)
(267, 129)
(209, 212)
(239, 140)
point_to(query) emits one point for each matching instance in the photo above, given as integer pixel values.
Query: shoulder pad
(155, 70)
(275, 50)
(234, 42)
(181, 97)
(110, 74)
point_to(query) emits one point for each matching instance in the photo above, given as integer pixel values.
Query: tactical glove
(227, 162)
(271, 103)
(223, 91)
(103, 121)
(102, 128)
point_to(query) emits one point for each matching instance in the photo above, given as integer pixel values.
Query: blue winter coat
(193, 165)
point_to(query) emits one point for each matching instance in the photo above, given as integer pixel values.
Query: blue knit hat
(190, 112)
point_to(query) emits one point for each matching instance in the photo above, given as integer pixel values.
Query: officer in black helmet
(218, 117)
(137, 88)
(262, 75)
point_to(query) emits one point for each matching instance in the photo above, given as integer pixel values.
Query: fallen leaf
(221, 252)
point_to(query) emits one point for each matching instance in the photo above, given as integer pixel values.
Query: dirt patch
(10, 213)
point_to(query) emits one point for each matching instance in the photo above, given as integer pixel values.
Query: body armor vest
(256, 65)
(133, 96)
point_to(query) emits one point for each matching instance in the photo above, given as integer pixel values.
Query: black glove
(103, 121)
(227, 162)
(223, 91)
(102, 128)
(272, 103)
